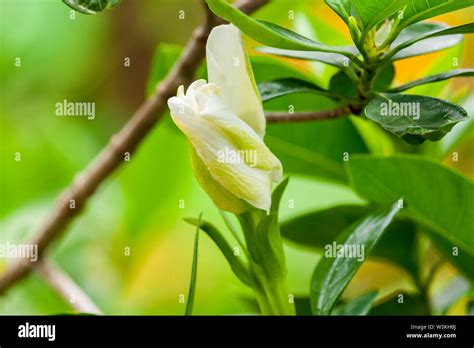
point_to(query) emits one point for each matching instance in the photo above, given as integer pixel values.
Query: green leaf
(341, 84)
(277, 88)
(269, 33)
(239, 268)
(302, 306)
(192, 282)
(320, 228)
(422, 29)
(384, 78)
(91, 6)
(461, 259)
(341, 7)
(301, 151)
(371, 13)
(462, 29)
(462, 134)
(420, 10)
(409, 304)
(308, 148)
(414, 118)
(375, 138)
(334, 59)
(360, 305)
(367, 13)
(332, 275)
(311, 148)
(434, 78)
(269, 237)
(277, 194)
(437, 197)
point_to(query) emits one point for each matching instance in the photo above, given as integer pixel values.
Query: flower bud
(224, 123)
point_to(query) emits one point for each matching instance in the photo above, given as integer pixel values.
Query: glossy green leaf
(269, 33)
(277, 88)
(239, 268)
(91, 6)
(341, 7)
(462, 29)
(414, 118)
(420, 10)
(367, 13)
(360, 305)
(422, 29)
(320, 228)
(307, 148)
(334, 59)
(371, 13)
(192, 282)
(332, 275)
(434, 78)
(436, 196)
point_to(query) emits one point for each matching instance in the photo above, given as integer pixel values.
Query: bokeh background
(141, 205)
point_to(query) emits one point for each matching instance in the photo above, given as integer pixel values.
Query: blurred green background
(140, 206)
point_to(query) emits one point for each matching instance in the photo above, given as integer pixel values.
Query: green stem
(272, 293)
(266, 264)
(263, 303)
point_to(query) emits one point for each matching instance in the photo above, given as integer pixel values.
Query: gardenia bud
(224, 123)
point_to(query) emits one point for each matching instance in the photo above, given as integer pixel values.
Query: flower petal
(229, 67)
(224, 199)
(242, 137)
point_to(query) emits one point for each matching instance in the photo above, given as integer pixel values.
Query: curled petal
(229, 67)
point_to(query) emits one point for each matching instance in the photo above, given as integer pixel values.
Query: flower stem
(267, 264)
(273, 297)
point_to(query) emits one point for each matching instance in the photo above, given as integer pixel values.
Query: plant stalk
(267, 264)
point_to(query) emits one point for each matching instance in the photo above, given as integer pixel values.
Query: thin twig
(278, 117)
(124, 142)
(66, 287)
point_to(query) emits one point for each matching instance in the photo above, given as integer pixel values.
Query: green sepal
(239, 268)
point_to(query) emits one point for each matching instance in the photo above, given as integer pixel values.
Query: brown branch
(66, 287)
(125, 141)
(279, 117)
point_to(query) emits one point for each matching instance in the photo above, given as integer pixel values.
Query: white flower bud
(224, 123)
